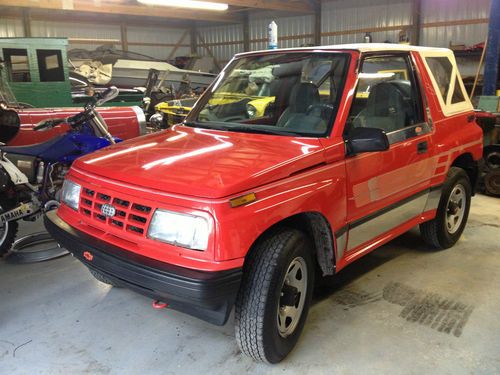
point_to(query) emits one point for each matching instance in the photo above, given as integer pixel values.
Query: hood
(203, 163)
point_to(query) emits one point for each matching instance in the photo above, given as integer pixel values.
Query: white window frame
(448, 108)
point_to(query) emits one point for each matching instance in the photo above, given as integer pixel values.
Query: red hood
(203, 163)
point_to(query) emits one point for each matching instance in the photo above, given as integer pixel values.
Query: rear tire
(446, 228)
(274, 298)
(8, 230)
(103, 279)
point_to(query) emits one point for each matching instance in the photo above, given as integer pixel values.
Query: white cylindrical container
(273, 35)
(40, 172)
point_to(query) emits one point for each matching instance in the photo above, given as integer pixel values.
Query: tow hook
(158, 305)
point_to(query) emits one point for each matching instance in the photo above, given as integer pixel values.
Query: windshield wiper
(247, 129)
(239, 128)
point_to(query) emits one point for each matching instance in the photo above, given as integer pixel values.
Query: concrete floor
(402, 309)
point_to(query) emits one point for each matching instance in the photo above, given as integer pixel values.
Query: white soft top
(361, 47)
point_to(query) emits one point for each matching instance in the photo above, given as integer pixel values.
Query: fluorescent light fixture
(191, 4)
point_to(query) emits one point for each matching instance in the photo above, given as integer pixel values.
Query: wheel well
(316, 226)
(467, 163)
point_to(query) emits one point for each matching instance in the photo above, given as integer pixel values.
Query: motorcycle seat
(31, 150)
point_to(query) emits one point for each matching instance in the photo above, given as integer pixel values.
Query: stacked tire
(491, 173)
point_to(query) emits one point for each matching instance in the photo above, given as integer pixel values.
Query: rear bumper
(206, 295)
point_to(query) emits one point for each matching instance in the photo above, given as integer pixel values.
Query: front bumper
(206, 295)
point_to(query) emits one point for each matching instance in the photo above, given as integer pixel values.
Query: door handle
(422, 147)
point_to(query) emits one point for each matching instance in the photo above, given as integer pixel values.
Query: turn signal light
(244, 199)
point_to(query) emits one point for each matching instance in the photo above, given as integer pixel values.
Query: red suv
(253, 197)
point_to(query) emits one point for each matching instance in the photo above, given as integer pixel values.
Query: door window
(387, 97)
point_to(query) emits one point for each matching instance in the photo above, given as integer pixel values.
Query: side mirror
(366, 140)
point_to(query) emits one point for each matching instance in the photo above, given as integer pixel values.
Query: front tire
(275, 295)
(8, 230)
(446, 228)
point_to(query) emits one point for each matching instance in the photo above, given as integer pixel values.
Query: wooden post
(246, 33)
(317, 23)
(194, 41)
(416, 22)
(123, 33)
(27, 23)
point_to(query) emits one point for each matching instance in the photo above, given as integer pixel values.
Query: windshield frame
(192, 119)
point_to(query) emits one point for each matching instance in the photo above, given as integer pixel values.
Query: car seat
(385, 109)
(298, 116)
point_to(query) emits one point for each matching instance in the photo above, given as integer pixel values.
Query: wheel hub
(455, 209)
(289, 295)
(292, 297)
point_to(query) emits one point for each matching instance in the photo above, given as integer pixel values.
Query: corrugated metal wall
(224, 41)
(10, 28)
(354, 16)
(343, 21)
(346, 21)
(76, 30)
(162, 40)
(454, 10)
(159, 36)
(293, 31)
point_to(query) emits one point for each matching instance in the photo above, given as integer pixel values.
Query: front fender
(321, 189)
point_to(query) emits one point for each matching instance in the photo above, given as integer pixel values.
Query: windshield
(280, 93)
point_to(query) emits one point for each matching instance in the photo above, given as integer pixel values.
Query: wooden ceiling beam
(126, 9)
(299, 6)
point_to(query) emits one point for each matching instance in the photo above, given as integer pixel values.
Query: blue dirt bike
(31, 177)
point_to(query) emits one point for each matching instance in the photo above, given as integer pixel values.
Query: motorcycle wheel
(8, 230)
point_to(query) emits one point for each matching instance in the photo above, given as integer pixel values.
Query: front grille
(130, 216)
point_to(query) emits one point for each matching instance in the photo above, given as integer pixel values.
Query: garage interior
(403, 308)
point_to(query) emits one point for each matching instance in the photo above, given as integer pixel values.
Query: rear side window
(446, 81)
(441, 69)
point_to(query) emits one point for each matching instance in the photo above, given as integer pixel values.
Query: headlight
(157, 120)
(251, 111)
(180, 229)
(70, 194)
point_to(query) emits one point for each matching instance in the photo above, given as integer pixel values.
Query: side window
(17, 63)
(50, 65)
(386, 97)
(447, 82)
(458, 95)
(441, 69)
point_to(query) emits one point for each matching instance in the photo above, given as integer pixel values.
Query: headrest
(385, 97)
(288, 69)
(302, 96)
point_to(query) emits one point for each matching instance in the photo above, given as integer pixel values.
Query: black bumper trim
(206, 295)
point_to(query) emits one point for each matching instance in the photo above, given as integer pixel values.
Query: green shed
(36, 70)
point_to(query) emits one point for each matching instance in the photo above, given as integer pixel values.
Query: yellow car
(172, 112)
